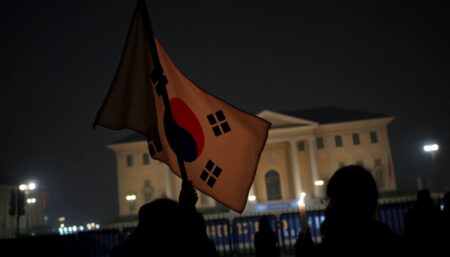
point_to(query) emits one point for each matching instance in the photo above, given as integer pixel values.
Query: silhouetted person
(422, 230)
(168, 228)
(445, 213)
(266, 240)
(158, 233)
(445, 219)
(350, 227)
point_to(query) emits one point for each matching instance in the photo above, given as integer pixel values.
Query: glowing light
(31, 200)
(431, 148)
(252, 198)
(31, 186)
(23, 187)
(319, 183)
(302, 209)
(302, 199)
(130, 197)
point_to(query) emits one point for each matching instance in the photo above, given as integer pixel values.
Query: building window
(146, 159)
(341, 164)
(129, 160)
(273, 186)
(377, 162)
(355, 137)
(373, 137)
(360, 163)
(378, 174)
(319, 143)
(301, 146)
(131, 199)
(148, 191)
(338, 140)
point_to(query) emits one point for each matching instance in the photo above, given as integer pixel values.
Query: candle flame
(302, 199)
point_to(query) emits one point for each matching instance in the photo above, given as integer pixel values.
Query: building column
(210, 201)
(252, 190)
(295, 168)
(169, 184)
(314, 172)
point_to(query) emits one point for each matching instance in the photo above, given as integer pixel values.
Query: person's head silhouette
(424, 198)
(159, 217)
(350, 227)
(264, 224)
(352, 191)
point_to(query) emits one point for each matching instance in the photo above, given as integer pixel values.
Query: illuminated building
(303, 150)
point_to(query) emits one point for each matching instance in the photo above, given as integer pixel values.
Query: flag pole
(160, 81)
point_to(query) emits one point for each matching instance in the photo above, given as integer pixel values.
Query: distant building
(303, 150)
(35, 204)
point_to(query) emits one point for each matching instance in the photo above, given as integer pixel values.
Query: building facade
(303, 150)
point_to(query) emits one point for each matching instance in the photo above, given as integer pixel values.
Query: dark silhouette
(159, 229)
(422, 225)
(445, 218)
(266, 240)
(350, 227)
(168, 228)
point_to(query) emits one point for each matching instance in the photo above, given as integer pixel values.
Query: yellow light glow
(130, 197)
(319, 183)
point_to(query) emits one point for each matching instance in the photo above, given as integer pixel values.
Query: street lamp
(319, 188)
(432, 149)
(27, 188)
(23, 187)
(131, 199)
(31, 200)
(31, 186)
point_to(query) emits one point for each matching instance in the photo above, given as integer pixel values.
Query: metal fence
(232, 236)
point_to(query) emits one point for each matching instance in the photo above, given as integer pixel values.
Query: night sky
(58, 59)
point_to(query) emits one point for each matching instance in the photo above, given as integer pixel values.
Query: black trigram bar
(211, 173)
(219, 123)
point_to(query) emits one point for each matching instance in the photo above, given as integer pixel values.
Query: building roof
(135, 137)
(327, 115)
